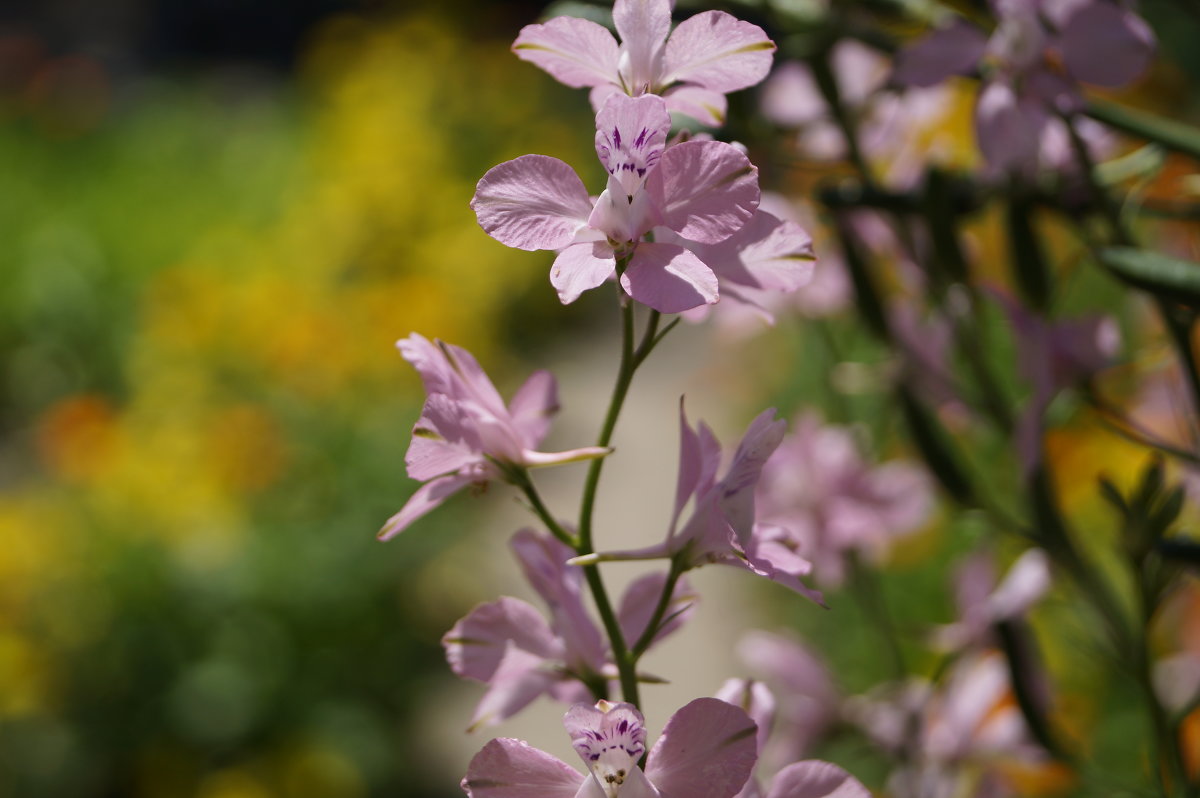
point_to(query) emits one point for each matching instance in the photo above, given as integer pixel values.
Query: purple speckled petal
(533, 407)
(704, 190)
(577, 52)
(631, 133)
(816, 779)
(427, 497)
(610, 739)
(532, 202)
(643, 26)
(704, 105)
(669, 278)
(581, 267)
(508, 768)
(1105, 44)
(718, 52)
(707, 750)
(952, 50)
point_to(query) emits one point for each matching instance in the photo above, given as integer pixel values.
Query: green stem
(660, 610)
(1169, 133)
(520, 477)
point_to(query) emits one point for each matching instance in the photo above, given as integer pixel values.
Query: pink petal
(643, 26)
(518, 681)
(704, 190)
(690, 464)
(1107, 45)
(756, 700)
(577, 52)
(718, 52)
(599, 95)
(1025, 583)
(532, 202)
(631, 133)
(641, 598)
(451, 370)
(668, 278)
(619, 216)
(1008, 131)
(427, 497)
(508, 768)
(533, 407)
(477, 644)
(443, 440)
(816, 779)
(708, 748)
(791, 98)
(582, 267)
(761, 440)
(953, 50)
(768, 254)
(706, 106)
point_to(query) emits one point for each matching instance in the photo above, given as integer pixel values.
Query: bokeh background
(217, 219)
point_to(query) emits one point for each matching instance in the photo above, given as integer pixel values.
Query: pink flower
(466, 433)
(722, 527)
(508, 645)
(705, 58)
(706, 750)
(1053, 356)
(983, 601)
(1097, 41)
(697, 191)
(819, 487)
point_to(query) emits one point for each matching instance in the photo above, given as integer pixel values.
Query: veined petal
(582, 267)
(427, 497)
(669, 278)
(706, 106)
(718, 52)
(952, 50)
(577, 52)
(690, 465)
(442, 441)
(1107, 45)
(508, 768)
(533, 406)
(477, 644)
(816, 779)
(736, 501)
(768, 253)
(516, 684)
(531, 202)
(643, 26)
(631, 133)
(707, 749)
(704, 190)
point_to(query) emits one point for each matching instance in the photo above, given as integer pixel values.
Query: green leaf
(1170, 278)
(1169, 133)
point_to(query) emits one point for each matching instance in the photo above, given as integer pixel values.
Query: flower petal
(582, 267)
(707, 748)
(531, 202)
(516, 683)
(641, 598)
(631, 133)
(767, 254)
(669, 278)
(533, 407)
(706, 106)
(952, 50)
(1105, 44)
(816, 779)
(717, 51)
(577, 52)
(427, 497)
(443, 440)
(704, 190)
(643, 26)
(762, 438)
(508, 768)
(1008, 131)
(477, 644)
(690, 464)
